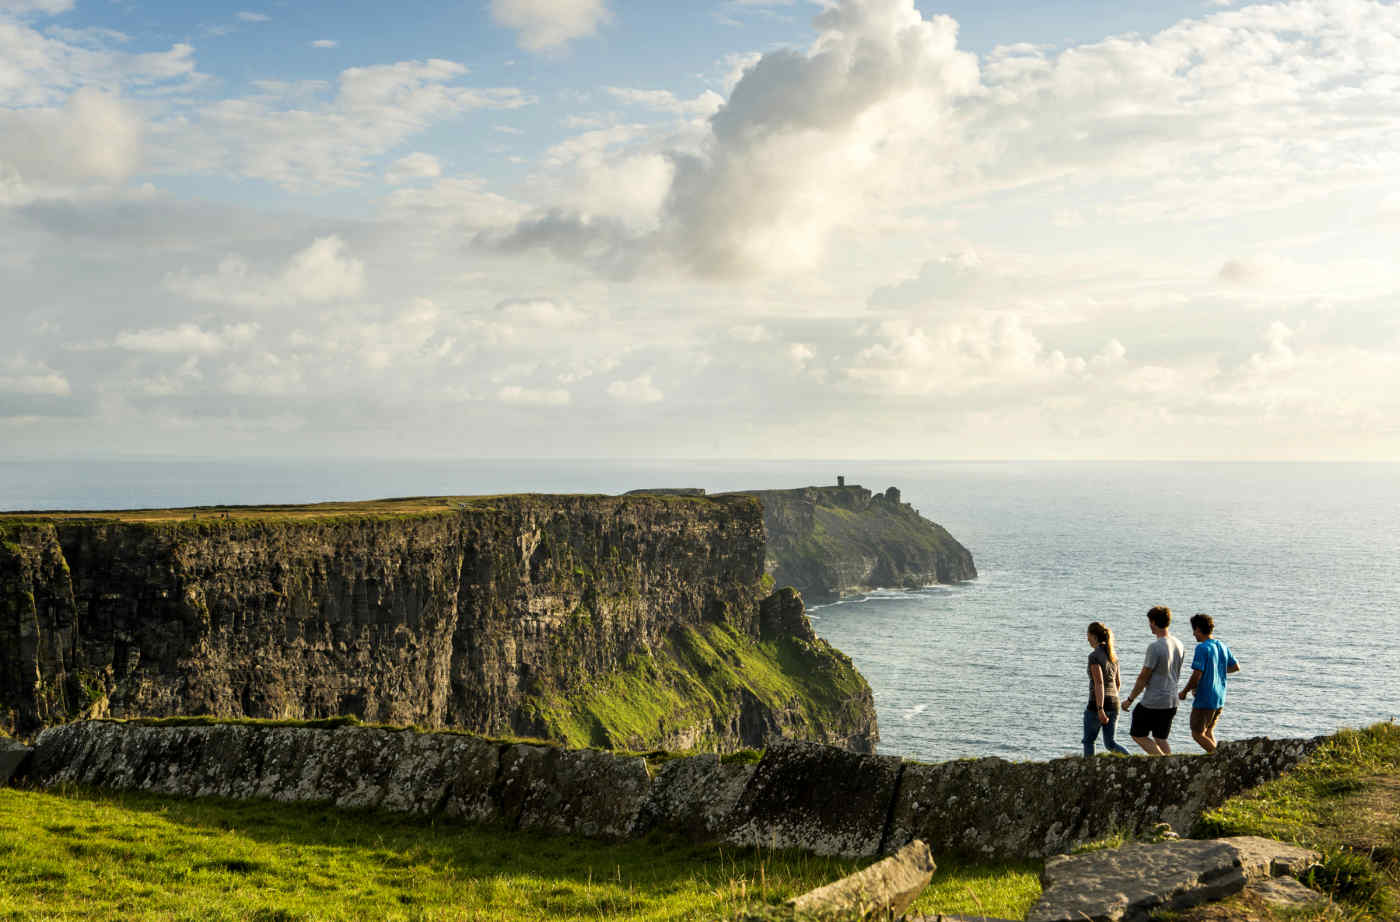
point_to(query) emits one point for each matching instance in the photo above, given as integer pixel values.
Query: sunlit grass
(88, 855)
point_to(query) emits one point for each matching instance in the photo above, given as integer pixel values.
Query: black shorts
(1154, 721)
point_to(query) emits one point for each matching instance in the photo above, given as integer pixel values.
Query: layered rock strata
(633, 622)
(798, 795)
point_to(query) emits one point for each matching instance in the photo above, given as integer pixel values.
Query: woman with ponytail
(1102, 710)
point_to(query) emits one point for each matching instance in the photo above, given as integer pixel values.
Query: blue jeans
(1092, 728)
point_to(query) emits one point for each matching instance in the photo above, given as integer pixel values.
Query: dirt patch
(1370, 821)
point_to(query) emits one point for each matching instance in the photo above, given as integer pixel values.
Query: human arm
(1139, 686)
(1196, 676)
(1096, 690)
(1231, 664)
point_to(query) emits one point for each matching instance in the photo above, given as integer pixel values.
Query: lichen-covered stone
(816, 798)
(579, 791)
(999, 809)
(694, 796)
(800, 795)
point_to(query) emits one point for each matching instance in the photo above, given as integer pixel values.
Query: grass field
(91, 856)
(1344, 801)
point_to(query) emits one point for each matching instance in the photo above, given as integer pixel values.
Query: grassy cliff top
(400, 507)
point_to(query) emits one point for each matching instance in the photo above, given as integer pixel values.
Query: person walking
(1210, 664)
(1161, 671)
(1102, 711)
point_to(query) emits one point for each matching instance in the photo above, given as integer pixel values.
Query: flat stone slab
(12, 756)
(1264, 858)
(882, 891)
(1285, 891)
(1131, 882)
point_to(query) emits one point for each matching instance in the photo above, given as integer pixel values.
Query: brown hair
(1104, 636)
(1161, 615)
(1203, 623)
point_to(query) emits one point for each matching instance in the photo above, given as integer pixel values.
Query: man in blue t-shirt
(1211, 663)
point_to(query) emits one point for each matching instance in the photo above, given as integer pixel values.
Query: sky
(733, 229)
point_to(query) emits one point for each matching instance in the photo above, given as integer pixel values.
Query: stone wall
(799, 795)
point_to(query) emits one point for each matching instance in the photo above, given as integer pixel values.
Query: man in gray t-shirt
(1161, 671)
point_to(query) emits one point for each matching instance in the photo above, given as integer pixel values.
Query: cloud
(525, 396)
(543, 24)
(705, 105)
(799, 354)
(1239, 272)
(749, 333)
(187, 338)
(35, 379)
(461, 203)
(636, 390)
(246, 16)
(324, 271)
(324, 43)
(991, 354)
(38, 70)
(411, 167)
(94, 137)
(794, 153)
(541, 313)
(289, 135)
(45, 7)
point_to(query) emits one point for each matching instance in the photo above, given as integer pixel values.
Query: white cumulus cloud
(545, 24)
(324, 271)
(417, 165)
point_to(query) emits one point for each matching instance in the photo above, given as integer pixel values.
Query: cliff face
(830, 542)
(615, 621)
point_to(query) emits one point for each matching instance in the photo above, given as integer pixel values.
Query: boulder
(12, 756)
(816, 798)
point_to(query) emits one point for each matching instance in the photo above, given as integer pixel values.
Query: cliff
(831, 542)
(623, 622)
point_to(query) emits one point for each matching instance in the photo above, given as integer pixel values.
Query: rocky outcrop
(799, 795)
(621, 622)
(1132, 883)
(831, 542)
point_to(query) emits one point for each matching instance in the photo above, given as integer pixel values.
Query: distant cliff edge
(621, 622)
(832, 542)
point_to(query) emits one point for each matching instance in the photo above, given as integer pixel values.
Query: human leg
(1141, 729)
(1163, 730)
(1108, 741)
(1091, 731)
(1203, 727)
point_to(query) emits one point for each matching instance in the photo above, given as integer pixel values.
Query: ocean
(1299, 564)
